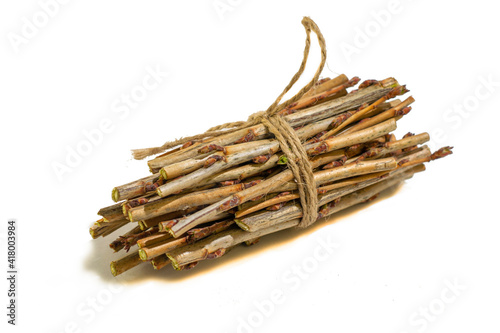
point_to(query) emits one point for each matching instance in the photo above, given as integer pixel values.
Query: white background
(396, 257)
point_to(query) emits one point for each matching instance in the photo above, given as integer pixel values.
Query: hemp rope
(289, 142)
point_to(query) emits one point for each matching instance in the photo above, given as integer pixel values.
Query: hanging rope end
(140, 154)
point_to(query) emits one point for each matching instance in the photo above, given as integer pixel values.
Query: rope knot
(256, 118)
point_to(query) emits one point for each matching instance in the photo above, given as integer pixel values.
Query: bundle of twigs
(206, 196)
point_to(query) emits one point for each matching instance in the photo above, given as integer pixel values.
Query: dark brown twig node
(443, 152)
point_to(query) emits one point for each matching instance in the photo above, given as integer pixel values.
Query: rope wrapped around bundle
(289, 142)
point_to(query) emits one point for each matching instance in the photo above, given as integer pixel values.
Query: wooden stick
(350, 139)
(199, 175)
(119, 244)
(314, 128)
(193, 151)
(267, 203)
(340, 192)
(125, 263)
(133, 189)
(96, 230)
(111, 213)
(200, 250)
(393, 112)
(154, 221)
(318, 97)
(390, 147)
(175, 170)
(326, 85)
(182, 202)
(242, 172)
(342, 104)
(166, 226)
(400, 90)
(131, 240)
(153, 240)
(160, 262)
(147, 253)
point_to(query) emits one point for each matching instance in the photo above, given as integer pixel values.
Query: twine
(289, 142)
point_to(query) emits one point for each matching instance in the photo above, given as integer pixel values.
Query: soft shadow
(101, 255)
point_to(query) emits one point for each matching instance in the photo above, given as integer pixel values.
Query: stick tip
(159, 192)
(155, 267)
(174, 262)
(170, 231)
(443, 152)
(143, 255)
(283, 160)
(242, 225)
(142, 225)
(163, 173)
(112, 266)
(115, 195)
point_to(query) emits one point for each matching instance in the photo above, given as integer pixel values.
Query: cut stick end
(124, 209)
(159, 192)
(143, 255)
(115, 248)
(390, 83)
(163, 173)
(242, 225)
(171, 232)
(174, 262)
(112, 266)
(283, 160)
(115, 195)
